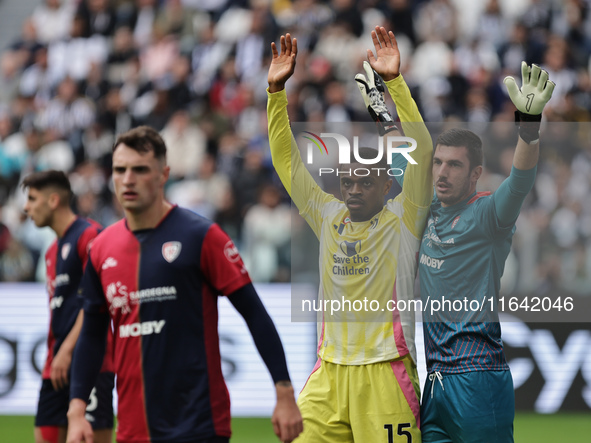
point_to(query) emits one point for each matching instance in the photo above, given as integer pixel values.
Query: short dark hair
(462, 137)
(143, 139)
(369, 153)
(49, 179)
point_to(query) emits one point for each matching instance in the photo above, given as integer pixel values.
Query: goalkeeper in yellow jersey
(364, 387)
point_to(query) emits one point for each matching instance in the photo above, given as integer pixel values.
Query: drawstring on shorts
(436, 375)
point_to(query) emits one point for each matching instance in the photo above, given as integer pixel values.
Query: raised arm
(529, 100)
(304, 191)
(418, 182)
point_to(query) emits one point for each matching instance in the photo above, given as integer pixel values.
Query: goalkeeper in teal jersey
(468, 396)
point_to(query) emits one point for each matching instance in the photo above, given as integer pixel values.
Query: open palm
(282, 64)
(386, 61)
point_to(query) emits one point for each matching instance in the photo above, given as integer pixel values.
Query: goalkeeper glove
(372, 90)
(530, 100)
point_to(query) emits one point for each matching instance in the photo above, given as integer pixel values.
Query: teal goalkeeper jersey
(461, 259)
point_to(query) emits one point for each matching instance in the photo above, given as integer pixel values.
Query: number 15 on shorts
(399, 431)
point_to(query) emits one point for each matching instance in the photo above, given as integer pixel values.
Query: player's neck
(62, 219)
(148, 219)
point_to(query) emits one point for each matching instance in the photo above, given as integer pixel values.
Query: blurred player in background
(364, 386)
(48, 204)
(158, 274)
(469, 395)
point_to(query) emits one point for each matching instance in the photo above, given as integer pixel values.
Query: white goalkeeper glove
(530, 100)
(372, 90)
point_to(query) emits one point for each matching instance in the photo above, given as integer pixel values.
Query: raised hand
(386, 61)
(530, 99)
(372, 90)
(535, 90)
(282, 65)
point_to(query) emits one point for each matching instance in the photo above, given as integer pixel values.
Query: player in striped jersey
(48, 204)
(157, 275)
(364, 386)
(469, 396)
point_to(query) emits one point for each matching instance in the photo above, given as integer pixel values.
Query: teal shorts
(472, 407)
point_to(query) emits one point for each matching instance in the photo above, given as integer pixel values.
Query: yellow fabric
(386, 247)
(357, 404)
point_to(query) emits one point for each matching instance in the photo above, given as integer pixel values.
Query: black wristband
(529, 126)
(383, 121)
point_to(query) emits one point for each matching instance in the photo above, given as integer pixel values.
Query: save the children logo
(351, 249)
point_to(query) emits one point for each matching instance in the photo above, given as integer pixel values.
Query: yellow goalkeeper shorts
(375, 403)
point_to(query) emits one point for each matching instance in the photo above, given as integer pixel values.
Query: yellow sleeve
(418, 180)
(303, 190)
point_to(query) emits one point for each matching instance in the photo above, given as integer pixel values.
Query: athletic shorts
(472, 407)
(375, 403)
(53, 405)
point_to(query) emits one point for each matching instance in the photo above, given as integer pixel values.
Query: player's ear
(387, 186)
(53, 200)
(476, 173)
(165, 174)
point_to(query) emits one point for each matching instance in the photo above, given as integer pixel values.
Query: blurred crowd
(83, 71)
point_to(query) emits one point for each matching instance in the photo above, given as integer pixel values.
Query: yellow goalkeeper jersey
(374, 260)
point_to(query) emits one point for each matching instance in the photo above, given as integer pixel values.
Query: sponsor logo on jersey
(110, 262)
(231, 252)
(116, 294)
(119, 296)
(143, 328)
(56, 302)
(431, 262)
(341, 227)
(66, 250)
(351, 249)
(61, 280)
(455, 222)
(171, 250)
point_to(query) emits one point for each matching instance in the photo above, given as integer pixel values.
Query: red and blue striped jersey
(160, 287)
(65, 261)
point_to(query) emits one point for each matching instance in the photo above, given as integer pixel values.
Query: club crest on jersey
(66, 250)
(342, 225)
(231, 252)
(455, 222)
(351, 249)
(171, 250)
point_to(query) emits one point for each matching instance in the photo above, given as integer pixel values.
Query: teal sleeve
(511, 194)
(399, 163)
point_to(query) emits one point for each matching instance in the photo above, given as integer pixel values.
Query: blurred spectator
(99, 17)
(265, 236)
(16, 263)
(75, 56)
(67, 115)
(21, 52)
(123, 50)
(186, 144)
(437, 21)
(159, 56)
(52, 19)
(204, 195)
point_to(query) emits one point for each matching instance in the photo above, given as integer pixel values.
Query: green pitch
(529, 428)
